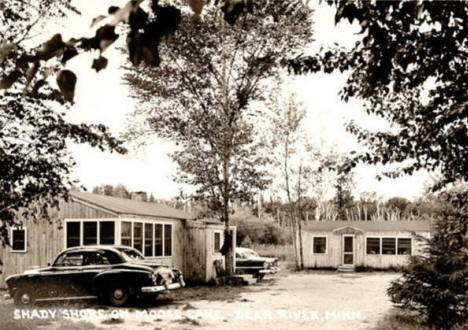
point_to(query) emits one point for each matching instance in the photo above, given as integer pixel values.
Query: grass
(402, 320)
(284, 253)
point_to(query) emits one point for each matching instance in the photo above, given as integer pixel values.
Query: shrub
(435, 285)
(260, 232)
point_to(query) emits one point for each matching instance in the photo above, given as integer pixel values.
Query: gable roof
(129, 206)
(371, 226)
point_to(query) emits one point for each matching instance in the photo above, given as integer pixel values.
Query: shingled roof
(123, 206)
(371, 226)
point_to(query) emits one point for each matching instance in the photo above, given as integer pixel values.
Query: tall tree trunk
(299, 219)
(229, 256)
(291, 208)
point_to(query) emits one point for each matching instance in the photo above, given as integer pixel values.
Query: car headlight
(154, 278)
(266, 264)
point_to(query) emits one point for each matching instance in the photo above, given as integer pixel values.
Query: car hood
(152, 266)
(260, 259)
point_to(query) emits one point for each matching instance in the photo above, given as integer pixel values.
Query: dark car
(249, 262)
(111, 273)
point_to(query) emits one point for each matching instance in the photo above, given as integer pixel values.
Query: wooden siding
(195, 252)
(44, 239)
(334, 254)
(192, 249)
(199, 252)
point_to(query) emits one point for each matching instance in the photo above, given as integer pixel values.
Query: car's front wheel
(24, 297)
(118, 296)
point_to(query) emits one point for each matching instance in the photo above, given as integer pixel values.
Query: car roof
(114, 248)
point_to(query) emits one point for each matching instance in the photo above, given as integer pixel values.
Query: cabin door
(348, 249)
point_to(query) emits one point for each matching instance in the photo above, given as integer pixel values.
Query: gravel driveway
(306, 300)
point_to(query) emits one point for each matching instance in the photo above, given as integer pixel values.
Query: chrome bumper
(161, 288)
(272, 270)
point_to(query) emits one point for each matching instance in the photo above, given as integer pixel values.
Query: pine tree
(435, 285)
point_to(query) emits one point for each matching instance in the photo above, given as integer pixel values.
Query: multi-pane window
(153, 239)
(126, 233)
(90, 233)
(320, 244)
(19, 240)
(388, 245)
(217, 241)
(404, 246)
(373, 245)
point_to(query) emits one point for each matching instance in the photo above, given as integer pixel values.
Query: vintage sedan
(249, 262)
(113, 274)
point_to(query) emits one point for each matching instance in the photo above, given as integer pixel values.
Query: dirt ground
(306, 300)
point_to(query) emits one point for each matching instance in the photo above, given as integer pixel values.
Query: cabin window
(138, 236)
(19, 240)
(217, 241)
(148, 239)
(158, 240)
(89, 232)
(167, 240)
(373, 245)
(107, 232)
(73, 234)
(320, 244)
(388, 245)
(126, 233)
(404, 246)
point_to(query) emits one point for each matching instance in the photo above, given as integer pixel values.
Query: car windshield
(131, 254)
(249, 254)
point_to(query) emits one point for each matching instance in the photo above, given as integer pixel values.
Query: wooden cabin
(160, 232)
(362, 244)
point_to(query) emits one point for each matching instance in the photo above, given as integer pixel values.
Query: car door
(67, 274)
(94, 263)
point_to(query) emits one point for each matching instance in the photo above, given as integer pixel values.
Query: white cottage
(368, 244)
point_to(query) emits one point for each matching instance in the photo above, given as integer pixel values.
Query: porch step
(346, 269)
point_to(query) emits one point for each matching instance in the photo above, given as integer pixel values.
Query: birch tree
(288, 146)
(200, 97)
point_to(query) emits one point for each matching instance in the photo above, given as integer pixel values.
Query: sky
(102, 98)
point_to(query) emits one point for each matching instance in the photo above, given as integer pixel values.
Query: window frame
(326, 244)
(153, 223)
(411, 245)
(396, 238)
(25, 250)
(98, 230)
(380, 246)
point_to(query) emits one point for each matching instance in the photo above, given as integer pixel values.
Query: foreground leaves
(410, 67)
(35, 162)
